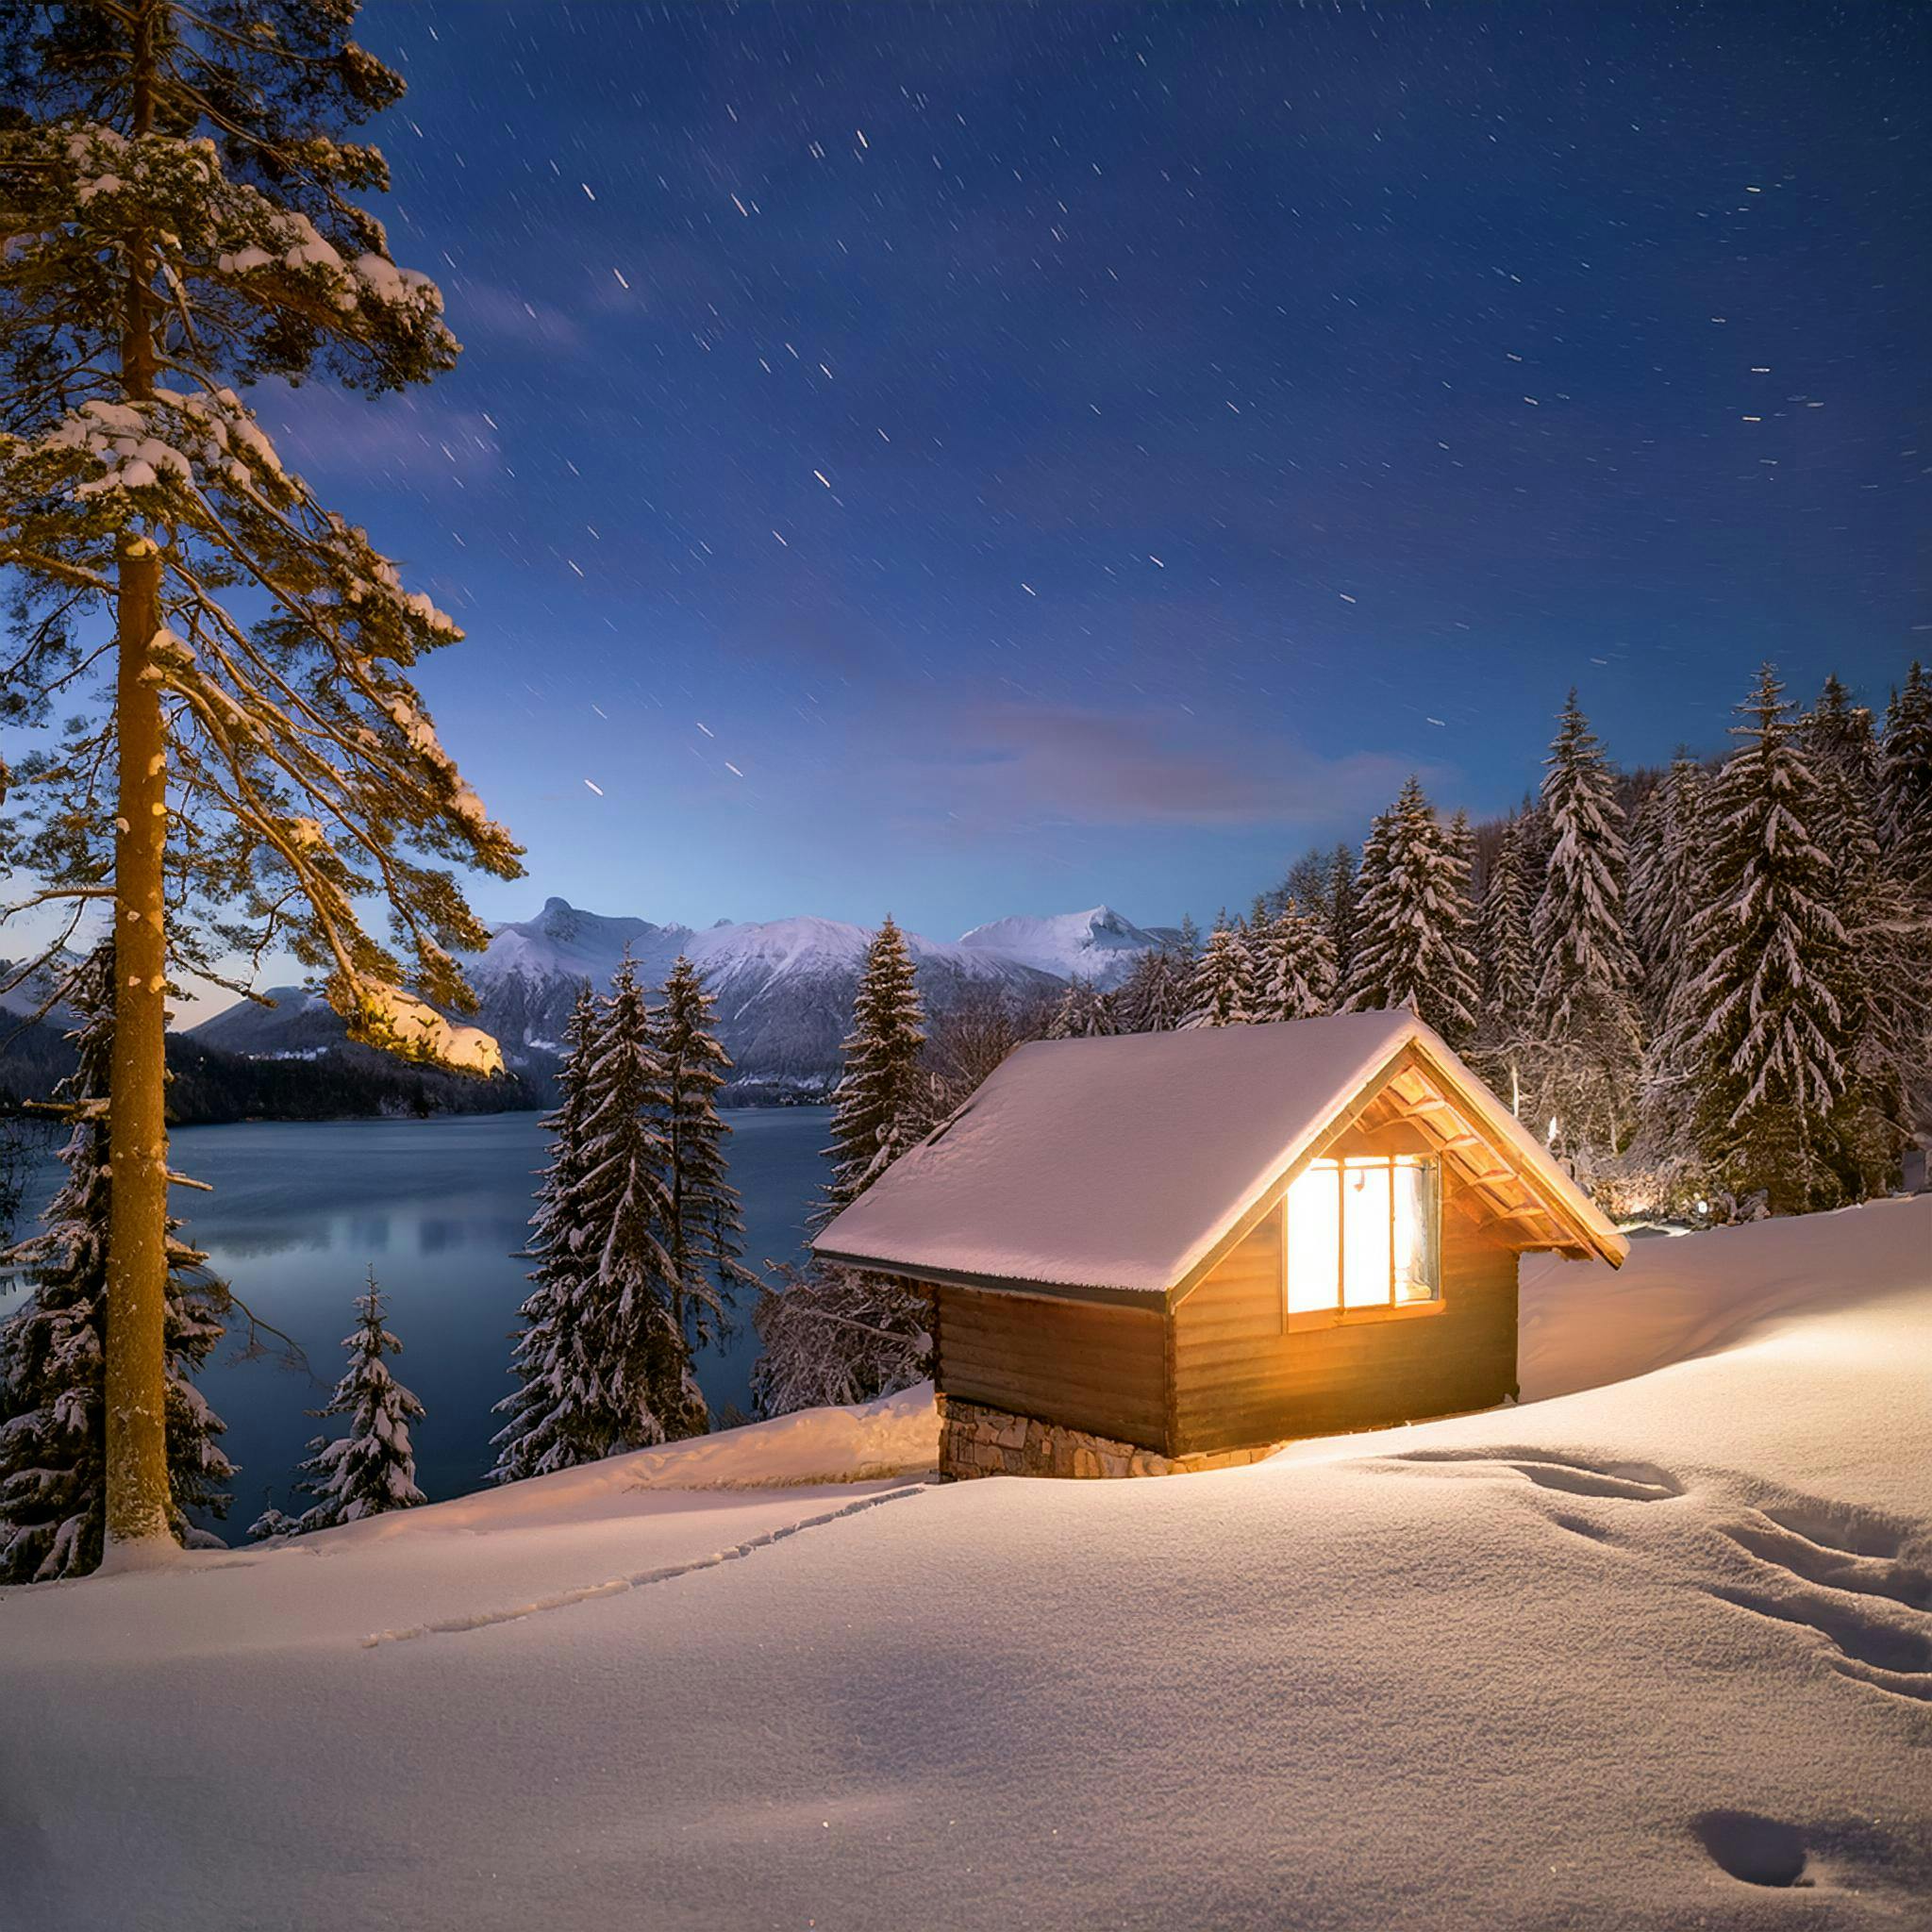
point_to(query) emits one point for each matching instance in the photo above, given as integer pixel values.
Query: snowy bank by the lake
(1654, 1653)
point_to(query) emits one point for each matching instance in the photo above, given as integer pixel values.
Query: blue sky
(963, 460)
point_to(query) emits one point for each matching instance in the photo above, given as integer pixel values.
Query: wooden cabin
(1177, 1251)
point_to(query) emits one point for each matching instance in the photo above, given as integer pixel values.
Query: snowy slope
(1626, 1657)
(1098, 945)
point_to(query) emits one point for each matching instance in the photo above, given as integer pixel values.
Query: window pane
(1415, 1233)
(1365, 1200)
(1314, 1261)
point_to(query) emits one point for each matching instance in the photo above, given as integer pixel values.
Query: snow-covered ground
(1621, 1657)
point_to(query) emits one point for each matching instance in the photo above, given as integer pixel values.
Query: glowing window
(1362, 1234)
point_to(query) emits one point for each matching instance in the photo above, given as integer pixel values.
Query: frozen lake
(301, 1210)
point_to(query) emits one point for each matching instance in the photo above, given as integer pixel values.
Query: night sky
(964, 460)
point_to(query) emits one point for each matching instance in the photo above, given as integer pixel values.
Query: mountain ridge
(783, 987)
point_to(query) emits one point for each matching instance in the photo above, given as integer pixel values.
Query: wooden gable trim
(1420, 1086)
(1274, 1191)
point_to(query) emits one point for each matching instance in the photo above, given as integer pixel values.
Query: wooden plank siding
(1241, 1377)
(1085, 1365)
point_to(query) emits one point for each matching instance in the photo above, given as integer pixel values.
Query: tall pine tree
(705, 1237)
(830, 1334)
(1412, 921)
(231, 752)
(1507, 966)
(53, 1352)
(1295, 966)
(1588, 1039)
(559, 1414)
(880, 1107)
(1905, 782)
(1671, 848)
(639, 1352)
(1221, 989)
(1759, 1032)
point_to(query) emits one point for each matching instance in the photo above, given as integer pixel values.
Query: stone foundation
(989, 1441)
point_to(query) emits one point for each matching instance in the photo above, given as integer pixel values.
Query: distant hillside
(784, 987)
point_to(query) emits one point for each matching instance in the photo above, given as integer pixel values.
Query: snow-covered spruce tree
(1507, 962)
(1670, 848)
(1588, 1040)
(559, 1415)
(1889, 932)
(1342, 906)
(1756, 1040)
(372, 1468)
(53, 1358)
(882, 1103)
(1154, 996)
(232, 752)
(637, 1349)
(1905, 783)
(1084, 1013)
(1221, 989)
(1413, 921)
(1295, 966)
(706, 1230)
(827, 1333)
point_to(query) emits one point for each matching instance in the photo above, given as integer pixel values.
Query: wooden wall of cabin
(1091, 1366)
(1242, 1376)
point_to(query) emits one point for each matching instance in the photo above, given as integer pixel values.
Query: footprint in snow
(1624, 1482)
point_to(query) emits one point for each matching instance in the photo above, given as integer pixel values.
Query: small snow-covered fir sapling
(53, 1391)
(1220, 987)
(1412, 924)
(370, 1468)
(227, 768)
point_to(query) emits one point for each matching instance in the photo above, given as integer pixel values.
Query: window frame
(1341, 1313)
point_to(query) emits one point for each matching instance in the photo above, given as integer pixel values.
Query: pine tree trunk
(136, 1454)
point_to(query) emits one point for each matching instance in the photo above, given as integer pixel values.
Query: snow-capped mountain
(784, 987)
(1098, 945)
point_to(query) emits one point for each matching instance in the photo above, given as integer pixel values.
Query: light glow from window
(1362, 1234)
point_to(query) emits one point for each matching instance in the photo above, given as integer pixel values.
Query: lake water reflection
(300, 1211)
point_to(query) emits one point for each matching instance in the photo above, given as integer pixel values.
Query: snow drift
(1647, 1655)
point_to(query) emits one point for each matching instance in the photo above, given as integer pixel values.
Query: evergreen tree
(705, 1236)
(1508, 965)
(1411, 945)
(1758, 1031)
(1083, 1012)
(52, 1352)
(1889, 935)
(830, 1334)
(638, 1350)
(881, 1105)
(1905, 783)
(248, 762)
(1294, 966)
(560, 1414)
(1667, 880)
(372, 1468)
(1588, 1039)
(1219, 989)
(1343, 907)
(1154, 996)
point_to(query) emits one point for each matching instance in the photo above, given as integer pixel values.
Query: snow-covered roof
(1118, 1165)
